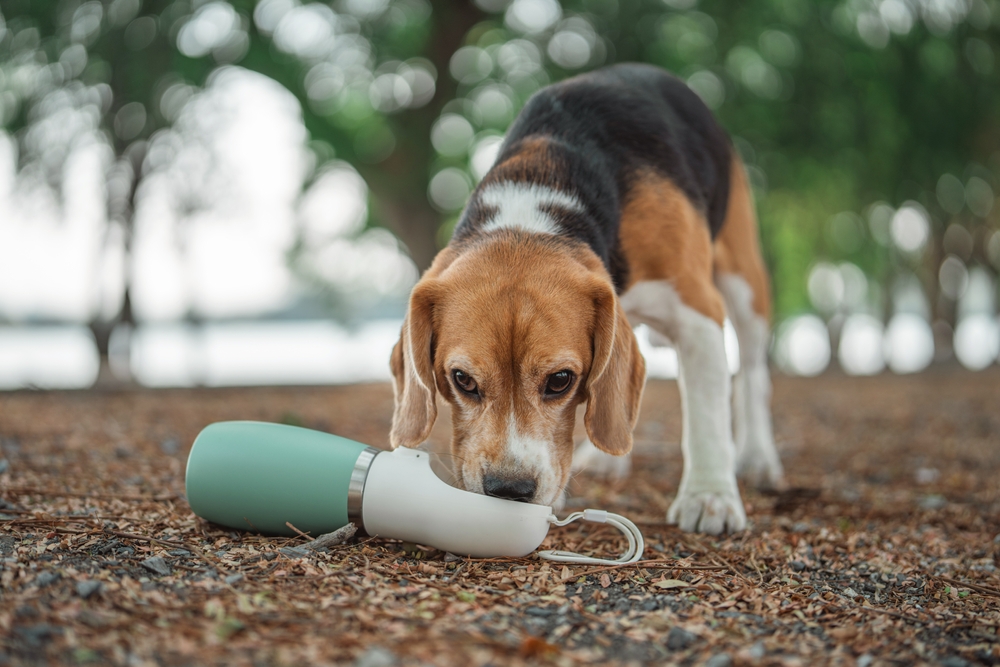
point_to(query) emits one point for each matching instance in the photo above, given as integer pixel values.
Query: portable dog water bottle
(259, 476)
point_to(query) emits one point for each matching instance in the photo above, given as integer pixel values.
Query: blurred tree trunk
(412, 220)
(399, 183)
(121, 208)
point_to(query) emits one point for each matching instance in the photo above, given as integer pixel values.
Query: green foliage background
(832, 110)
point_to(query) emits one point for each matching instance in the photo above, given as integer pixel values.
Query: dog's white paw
(588, 458)
(708, 512)
(761, 468)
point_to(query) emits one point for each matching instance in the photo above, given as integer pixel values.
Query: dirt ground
(885, 551)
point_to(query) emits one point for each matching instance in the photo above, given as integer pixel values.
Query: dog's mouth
(533, 488)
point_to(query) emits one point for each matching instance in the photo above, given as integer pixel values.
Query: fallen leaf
(671, 583)
(534, 647)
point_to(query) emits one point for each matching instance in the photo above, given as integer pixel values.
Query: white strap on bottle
(636, 545)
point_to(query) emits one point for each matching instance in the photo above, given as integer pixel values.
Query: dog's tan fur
(737, 248)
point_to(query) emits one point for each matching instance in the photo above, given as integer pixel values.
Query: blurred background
(238, 192)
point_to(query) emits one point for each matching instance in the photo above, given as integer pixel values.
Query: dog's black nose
(522, 489)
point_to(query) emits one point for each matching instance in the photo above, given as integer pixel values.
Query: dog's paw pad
(708, 512)
(589, 459)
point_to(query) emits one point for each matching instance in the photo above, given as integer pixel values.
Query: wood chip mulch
(885, 550)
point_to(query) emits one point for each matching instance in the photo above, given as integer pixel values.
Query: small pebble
(932, 502)
(157, 565)
(4, 466)
(679, 639)
(798, 565)
(170, 446)
(865, 660)
(87, 587)
(234, 578)
(376, 656)
(36, 635)
(46, 578)
(539, 611)
(954, 661)
(719, 660)
(757, 651)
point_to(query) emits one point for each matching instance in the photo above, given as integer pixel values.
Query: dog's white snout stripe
(520, 206)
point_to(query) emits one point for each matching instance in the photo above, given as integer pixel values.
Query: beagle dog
(616, 199)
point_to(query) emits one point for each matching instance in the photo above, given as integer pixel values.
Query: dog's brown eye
(558, 383)
(465, 382)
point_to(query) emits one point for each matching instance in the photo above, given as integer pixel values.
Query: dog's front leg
(708, 499)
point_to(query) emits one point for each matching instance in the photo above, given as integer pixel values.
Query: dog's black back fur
(601, 130)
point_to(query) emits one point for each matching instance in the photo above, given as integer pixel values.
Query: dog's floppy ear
(413, 373)
(617, 376)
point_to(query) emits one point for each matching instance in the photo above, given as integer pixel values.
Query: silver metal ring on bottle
(356, 490)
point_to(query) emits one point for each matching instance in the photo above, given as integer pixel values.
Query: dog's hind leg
(669, 249)
(742, 279)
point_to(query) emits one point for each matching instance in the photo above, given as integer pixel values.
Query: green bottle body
(258, 476)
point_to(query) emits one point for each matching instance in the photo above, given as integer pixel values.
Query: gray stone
(622, 605)
(719, 660)
(87, 587)
(45, 578)
(954, 661)
(757, 651)
(932, 502)
(376, 656)
(36, 635)
(798, 565)
(234, 578)
(539, 611)
(4, 466)
(157, 565)
(170, 446)
(679, 639)
(865, 660)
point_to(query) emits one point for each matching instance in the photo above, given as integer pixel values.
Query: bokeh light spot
(532, 16)
(977, 341)
(449, 189)
(803, 346)
(909, 343)
(860, 349)
(910, 228)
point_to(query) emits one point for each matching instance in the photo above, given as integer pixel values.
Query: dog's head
(515, 332)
